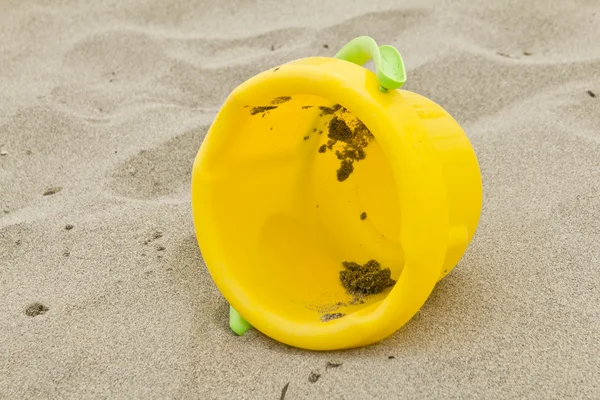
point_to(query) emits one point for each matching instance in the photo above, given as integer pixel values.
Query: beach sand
(103, 106)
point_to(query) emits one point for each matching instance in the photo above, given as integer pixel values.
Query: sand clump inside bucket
(329, 316)
(281, 99)
(360, 281)
(261, 109)
(351, 133)
(365, 279)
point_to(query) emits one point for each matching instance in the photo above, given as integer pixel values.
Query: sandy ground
(110, 101)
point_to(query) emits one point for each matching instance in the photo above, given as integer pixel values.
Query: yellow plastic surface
(274, 224)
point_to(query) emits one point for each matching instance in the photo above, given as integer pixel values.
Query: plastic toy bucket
(313, 168)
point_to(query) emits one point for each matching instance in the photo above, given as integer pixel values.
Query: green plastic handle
(389, 66)
(237, 324)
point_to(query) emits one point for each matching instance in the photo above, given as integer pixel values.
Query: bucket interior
(301, 187)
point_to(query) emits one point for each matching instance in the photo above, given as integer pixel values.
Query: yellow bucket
(328, 203)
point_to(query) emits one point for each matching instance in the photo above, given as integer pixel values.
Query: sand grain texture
(110, 101)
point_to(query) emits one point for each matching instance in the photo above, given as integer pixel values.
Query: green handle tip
(237, 324)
